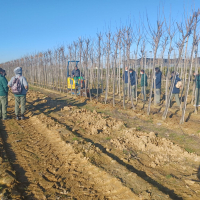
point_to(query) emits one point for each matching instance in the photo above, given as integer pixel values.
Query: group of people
(19, 87)
(158, 80)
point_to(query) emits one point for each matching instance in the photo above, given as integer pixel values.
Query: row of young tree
(103, 61)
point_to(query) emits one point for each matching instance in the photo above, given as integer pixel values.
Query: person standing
(197, 96)
(125, 78)
(20, 97)
(3, 95)
(143, 84)
(4, 74)
(158, 76)
(133, 81)
(176, 90)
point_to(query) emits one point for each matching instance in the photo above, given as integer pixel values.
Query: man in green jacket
(143, 84)
(3, 95)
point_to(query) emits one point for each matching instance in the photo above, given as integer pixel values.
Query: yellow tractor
(76, 84)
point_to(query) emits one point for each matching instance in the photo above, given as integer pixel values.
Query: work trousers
(143, 92)
(133, 91)
(176, 98)
(20, 100)
(3, 107)
(157, 96)
(125, 89)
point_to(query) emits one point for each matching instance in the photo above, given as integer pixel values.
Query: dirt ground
(72, 148)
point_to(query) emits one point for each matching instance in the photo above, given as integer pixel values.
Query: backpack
(16, 86)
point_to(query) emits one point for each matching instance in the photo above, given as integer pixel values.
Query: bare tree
(156, 36)
(189, 25)
(195, 18)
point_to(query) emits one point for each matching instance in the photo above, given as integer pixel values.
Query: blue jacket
(158, 79)
(175, 89)
(132, 78)
(125, 76)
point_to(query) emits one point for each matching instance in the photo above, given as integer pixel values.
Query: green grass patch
(138, 128)
(33, 88)
(75, 138)
(108, 138)
(189, 150)
(125, 151)
(168, 176)
(150, 121)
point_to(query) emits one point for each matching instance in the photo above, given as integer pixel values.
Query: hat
(18, 70)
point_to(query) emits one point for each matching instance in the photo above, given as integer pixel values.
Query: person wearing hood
(176, 90)
(158, 76)
(19, 98)
(3, 95)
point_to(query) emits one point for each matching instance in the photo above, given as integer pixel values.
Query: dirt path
(49, 168)
(68, 149)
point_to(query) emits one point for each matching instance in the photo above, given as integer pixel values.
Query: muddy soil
(70, 148)
(9, 186)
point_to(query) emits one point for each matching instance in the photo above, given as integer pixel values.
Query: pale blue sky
(28, 26)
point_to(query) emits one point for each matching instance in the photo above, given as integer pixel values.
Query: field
(73, 148)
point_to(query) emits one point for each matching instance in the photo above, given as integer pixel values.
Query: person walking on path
(176, 90)
(3, 95)
(125, 78)
(158, 76)
(20, 98)
(197, 96)
(133, 81)
(143, 84)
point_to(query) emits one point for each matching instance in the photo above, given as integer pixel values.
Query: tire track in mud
(53, 170)
(142, 171)
(138, 175)
(48, 175)
(148, 187)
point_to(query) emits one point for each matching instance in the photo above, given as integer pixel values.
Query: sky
(30, 26)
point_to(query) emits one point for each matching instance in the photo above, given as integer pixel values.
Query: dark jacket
(158, 79)
(175, 89)
(197, 79)
(143, 76)
(76, 73)
(3, 86)
(132, 78)
(125, 77)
